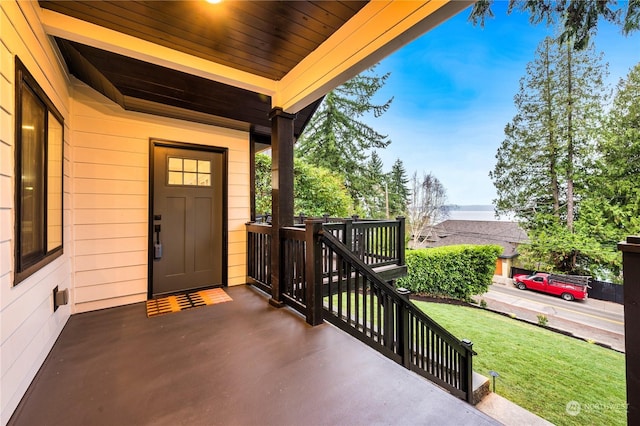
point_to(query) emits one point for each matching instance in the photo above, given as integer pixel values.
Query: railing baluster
(365, 319)
(349, 278)
(340, 287)
(356, 299)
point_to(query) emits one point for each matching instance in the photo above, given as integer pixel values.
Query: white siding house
(29, 325)
(106, 202)
(105, 218)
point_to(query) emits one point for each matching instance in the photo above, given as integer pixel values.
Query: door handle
(157, 247)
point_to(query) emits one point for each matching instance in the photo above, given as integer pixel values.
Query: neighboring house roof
(480, 232)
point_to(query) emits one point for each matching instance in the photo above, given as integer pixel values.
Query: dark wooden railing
(376, 243)
(293, 281)
(326, 279)
(365, 306)
(259, 255)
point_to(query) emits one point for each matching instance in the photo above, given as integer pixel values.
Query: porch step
(481, 387)
(508, 413)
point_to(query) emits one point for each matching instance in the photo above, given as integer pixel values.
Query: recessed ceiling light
(214, 1)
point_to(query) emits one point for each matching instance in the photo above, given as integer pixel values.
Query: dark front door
(187, 249)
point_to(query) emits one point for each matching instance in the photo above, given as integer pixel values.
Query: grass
(540, 370)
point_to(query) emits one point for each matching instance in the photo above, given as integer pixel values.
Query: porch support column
(631, 267)
(282, 191)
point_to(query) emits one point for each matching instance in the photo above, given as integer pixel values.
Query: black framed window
(39, 193)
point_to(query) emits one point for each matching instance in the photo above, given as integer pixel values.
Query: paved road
(593, 319)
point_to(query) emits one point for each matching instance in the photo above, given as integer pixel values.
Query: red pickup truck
(569, 287)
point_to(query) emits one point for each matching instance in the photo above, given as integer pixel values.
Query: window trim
(25, 267)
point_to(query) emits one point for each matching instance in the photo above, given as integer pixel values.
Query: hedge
(458, 272)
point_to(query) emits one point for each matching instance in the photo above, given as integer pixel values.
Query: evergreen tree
(398, 190)
(526, 171)
(542, 164)
(578, 18)
(581, 99)
(611, 209)
(374, 188)
(335, 138)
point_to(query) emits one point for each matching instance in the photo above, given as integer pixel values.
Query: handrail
(324, 279)
(377, 242)
(293, 280)
(373, 311)
(338, 247)
(259, 255)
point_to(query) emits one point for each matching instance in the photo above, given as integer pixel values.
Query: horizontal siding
(238, 236)
(109, 172)
(107, 201)
(104, 156)
(113, 275)
(6, 128)
(239, 202)
(111, 230)
(98, 216)
(6, 197)
(108, 245)
(111, 143)
(90, 294)
(6, 227)
(20, 323)
(113, 186)
(6, 92)
(111, 260)
(238, 224)
(110, 199)
(28, 325)
(105, 303)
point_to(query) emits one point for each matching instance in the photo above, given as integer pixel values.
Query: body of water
(488, 215)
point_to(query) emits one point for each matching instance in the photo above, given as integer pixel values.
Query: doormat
(182, 302)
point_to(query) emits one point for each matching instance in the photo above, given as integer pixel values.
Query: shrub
(543, 320)
(458, 271)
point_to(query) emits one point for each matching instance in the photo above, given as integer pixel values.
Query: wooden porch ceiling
(231, 63)
(144, 87)
(266, 38)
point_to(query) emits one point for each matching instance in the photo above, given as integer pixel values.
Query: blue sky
(453, 92)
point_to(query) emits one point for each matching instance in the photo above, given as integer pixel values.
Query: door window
(188, 172)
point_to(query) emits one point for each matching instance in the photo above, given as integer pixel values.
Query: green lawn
(540, 370)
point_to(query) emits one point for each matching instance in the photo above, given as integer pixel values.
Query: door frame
(157, 142)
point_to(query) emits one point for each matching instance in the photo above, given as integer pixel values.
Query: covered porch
(239, 362)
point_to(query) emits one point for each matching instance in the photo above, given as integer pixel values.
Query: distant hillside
(471, 208)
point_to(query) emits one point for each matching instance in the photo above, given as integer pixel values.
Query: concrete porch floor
(241, 362)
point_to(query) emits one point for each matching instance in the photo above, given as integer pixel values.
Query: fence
(610, 292)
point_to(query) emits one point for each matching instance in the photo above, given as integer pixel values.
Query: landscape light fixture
(493, 375)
